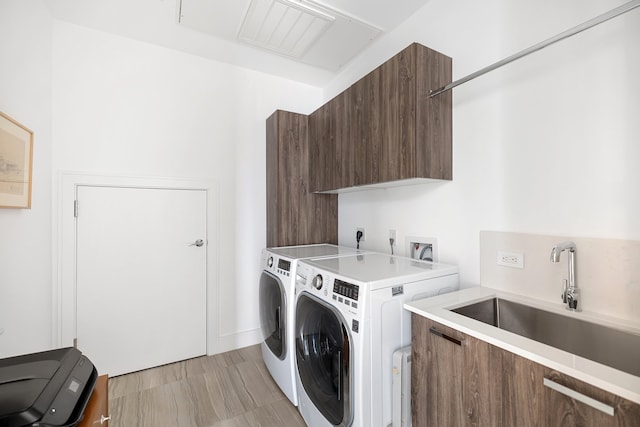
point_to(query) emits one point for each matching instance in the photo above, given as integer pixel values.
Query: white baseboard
(229, 342)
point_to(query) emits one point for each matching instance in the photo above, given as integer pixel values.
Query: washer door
(272, 313)
(323, 357)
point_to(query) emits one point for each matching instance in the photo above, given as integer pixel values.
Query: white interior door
(141, 280)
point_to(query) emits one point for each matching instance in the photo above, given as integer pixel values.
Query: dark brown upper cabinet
(295, 216)
(385, 128)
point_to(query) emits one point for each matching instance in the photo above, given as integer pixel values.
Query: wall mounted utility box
(422, 248)
(385, 130)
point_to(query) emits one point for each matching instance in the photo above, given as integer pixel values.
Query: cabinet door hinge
(75, 209)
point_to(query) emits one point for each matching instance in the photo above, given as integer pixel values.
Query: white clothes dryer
(276, 305)
(349, 321)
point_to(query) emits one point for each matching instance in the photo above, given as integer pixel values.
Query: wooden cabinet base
(97, 411)
(459, 380)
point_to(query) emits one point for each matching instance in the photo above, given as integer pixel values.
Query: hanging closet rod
(568, 33)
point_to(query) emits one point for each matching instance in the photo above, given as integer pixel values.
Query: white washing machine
(349, 320)
(277, 299)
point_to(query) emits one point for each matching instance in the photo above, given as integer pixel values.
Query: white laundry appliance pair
(277, 300)
(349, 320)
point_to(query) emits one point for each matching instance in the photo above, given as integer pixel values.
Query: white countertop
(609, 379)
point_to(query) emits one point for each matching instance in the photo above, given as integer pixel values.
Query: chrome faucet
(569, 292)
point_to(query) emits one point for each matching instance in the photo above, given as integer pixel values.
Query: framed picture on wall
(16, 158)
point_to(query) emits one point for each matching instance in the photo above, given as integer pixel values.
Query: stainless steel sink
(612, 347)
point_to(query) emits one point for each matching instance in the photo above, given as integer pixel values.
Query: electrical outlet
(511, 259)
(361, 229)
(393, 235)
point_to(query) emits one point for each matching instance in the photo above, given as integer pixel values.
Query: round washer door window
(323, 358)
(272, 313)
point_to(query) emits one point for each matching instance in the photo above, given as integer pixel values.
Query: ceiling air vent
(283, 26)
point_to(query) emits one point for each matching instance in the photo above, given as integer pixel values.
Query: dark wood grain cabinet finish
(365, 125)
(453, 383)
(385, 127)
(474, 383)
(330, 159)
(97, 411)
(295, 216)
(560, 409)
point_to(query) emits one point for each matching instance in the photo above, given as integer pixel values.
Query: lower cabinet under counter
(97, 411)
(458, 380)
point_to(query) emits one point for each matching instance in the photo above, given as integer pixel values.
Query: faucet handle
(565, 291)
(573, 295)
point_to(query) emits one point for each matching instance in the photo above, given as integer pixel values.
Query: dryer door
(272, 313)
(323, 357)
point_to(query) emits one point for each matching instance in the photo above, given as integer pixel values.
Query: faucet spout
(561, 247)
(570, 292)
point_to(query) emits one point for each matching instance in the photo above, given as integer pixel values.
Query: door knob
(197, 243)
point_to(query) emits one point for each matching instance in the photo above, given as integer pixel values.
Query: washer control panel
(284, 267)
(276, 264)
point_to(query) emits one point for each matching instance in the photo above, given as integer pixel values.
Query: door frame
(64, 269)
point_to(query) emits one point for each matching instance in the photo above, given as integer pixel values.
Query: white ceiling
(210, 28)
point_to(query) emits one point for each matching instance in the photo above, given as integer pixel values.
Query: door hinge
(75, 342)
(75, 209)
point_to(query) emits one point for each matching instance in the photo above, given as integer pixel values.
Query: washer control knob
(270, 262)
(317, 282)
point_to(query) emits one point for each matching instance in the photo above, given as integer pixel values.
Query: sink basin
(612, 347)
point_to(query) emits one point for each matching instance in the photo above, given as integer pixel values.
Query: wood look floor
(231, 389)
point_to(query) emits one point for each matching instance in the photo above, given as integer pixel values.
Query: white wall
(106, 105)
(122, 107)
(546, 145)
(25, 235)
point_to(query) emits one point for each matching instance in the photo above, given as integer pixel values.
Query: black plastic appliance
(45, 389)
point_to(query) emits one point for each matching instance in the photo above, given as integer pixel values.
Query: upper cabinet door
(323, 153)
(397, 115)
(330, 160)
(385, 127)
(366, 128)
(434, 116)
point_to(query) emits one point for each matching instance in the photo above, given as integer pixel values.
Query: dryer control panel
(346, 289)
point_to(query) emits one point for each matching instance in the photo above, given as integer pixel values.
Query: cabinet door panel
(322, 150)
(434, 116)
(292, 158)
(397, 117)
(331, 148)
(522, 393)
(453, 384)
(482, 383)
(341, 131)
(366, 124)
(437, 377)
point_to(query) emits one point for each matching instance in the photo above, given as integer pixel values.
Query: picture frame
(16, 162)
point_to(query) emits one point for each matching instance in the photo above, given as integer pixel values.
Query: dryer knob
(317, 282)
(270, 262)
